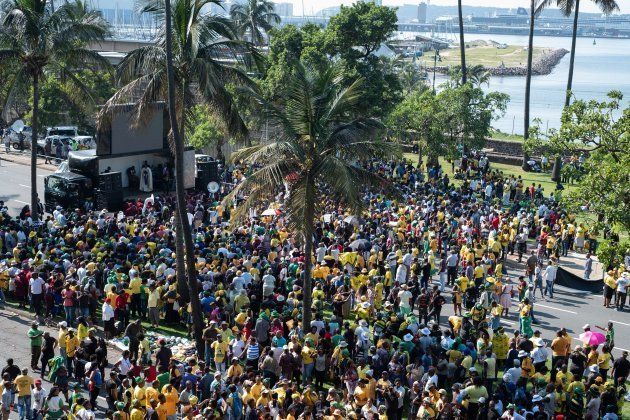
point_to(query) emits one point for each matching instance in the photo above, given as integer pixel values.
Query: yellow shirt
(23, 384)
(172, 398)
(62, 338)
(72, 344)
(150, 393)
(134, 285)
(137, 414)
(220, 350)
(140, 394)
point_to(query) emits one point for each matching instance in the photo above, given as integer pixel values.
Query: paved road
(15, 344)
(15, 185)
(570, 309)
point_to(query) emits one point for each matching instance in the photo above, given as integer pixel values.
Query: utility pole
(435, 59)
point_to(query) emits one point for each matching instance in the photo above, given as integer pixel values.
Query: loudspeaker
(208, 170)
(110, 200)
(111, 181)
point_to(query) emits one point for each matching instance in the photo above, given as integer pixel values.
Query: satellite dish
(213, 187)
(18, 126)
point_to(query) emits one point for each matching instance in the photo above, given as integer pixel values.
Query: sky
(315, 5)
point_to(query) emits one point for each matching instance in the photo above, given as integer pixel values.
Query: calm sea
(599, 68)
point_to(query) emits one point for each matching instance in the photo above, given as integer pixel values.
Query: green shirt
(35, 336)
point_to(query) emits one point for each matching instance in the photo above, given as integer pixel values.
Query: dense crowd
(378, 346)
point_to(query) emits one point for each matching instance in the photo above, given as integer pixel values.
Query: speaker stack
(206, 172)
(109, 192)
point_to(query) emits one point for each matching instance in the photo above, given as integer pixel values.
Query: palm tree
(573, 6)
(255, 17)
(316, 143)
(462, 43)
(202, 58)
(528, 78)
(35, 40)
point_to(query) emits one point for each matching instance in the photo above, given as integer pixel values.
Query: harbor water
(599, 68)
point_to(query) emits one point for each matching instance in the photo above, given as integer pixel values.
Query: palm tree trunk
(576, 13)
(180, 257)
(528, 78)
(184, 226)
(309, 215)
(34, 128)
(462, 44)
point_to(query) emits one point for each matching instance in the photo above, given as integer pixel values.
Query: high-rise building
(284, 9)
(422, 13)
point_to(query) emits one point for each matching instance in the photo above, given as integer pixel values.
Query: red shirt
(121, 301)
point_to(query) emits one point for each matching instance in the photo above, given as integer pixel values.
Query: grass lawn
(499, 135)
(489, 55)
(543, 178)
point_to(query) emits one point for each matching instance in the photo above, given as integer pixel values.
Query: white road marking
(618, 322)
(619, 348)
(22, 202)
(555, 309)
(25, 186)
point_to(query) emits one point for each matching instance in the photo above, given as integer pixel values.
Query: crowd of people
(378, 346)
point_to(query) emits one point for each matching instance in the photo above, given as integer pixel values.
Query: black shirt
(622, 367)
(12, 370)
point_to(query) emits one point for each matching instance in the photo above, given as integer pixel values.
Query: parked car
(14, 138)
(78, 140)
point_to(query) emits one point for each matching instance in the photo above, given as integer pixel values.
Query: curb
(16, 159)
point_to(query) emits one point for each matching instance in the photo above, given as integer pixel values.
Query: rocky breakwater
(542, 66)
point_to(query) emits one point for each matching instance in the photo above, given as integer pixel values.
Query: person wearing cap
(39, 395)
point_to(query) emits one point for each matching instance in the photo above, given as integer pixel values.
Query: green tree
(359, 30)
(60, 105)
(289, 44)
(595, 129)
(206, 130)
(314, 149)
(468, 114)
(35, 39)
(200, 43)
(573, 6)
(255, 18)
(420, 117)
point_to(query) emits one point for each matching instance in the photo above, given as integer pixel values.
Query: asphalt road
(15, 185)
(570, 309)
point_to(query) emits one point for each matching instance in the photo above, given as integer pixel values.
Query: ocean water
(598, 69)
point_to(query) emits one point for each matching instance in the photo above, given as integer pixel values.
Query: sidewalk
(24, 158)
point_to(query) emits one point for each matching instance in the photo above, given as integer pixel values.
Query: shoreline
(540, 67)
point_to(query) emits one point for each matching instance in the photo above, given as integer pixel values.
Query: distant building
(284, 9)
(422, 13)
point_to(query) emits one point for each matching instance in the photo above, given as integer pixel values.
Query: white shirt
(108, 312)
(432, 380)
(540, 354)
(37, 285)
(39, 397)
(405, 297)
(237, 347)
(550, 273)
(622, 283)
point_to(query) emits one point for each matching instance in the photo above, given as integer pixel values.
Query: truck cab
(66, 189)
